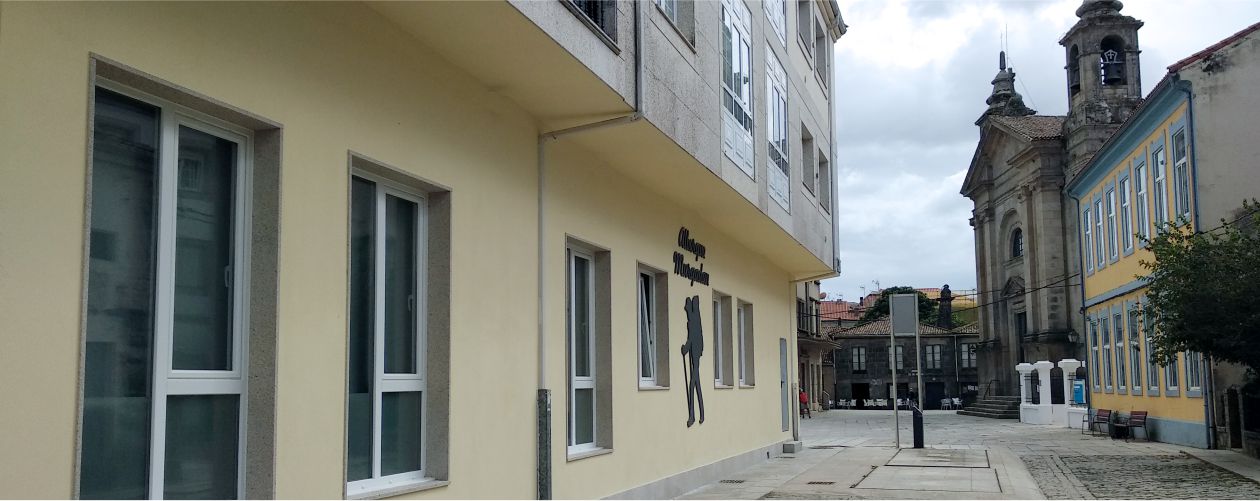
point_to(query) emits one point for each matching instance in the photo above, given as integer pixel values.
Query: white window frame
(777, 131)
(1158, 164)
(647, 327)
(1172, 379)
(1135, 354)
(1100, 247)
(899, 357)
(166, 380)
(1108, 377)
(776, 14)
(857, 357)
(1089, 239)
(1152, 369)
(1113, 243)
(1143, 210)
(1181, 175)
(1095, 341)
(582, 382)
(933, 356)
(396, 383)
(719, 350)
(745, 338)
(1122, 356)
(737, 137)
(1126, 214)
(1194, 372)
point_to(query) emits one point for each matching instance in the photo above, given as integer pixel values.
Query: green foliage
(927, 306)
(1204, 290)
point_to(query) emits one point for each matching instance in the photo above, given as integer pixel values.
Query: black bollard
(918, 427)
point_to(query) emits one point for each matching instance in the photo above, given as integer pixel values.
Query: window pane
(118, 357)
(360, 369)
(400, 286)
(584, 416)
(401, 450)
(202, 337)
(581, 317)
(201, 446)
(645, 327)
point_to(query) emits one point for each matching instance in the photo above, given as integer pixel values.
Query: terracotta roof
(971, 328)
(839, 310)
(881, 327)
(1033, 127)
(1197, 56)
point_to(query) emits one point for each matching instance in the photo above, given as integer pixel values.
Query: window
(744, 317)
(1171, 376)
(805, 25)
(809, 176)
(1126, 215)
(933, 356)
(1017, 243)
(1089, 240)
(1021, 324)
(723, 358)
(670, 8)
(824, 182)
(859, 359)
(1112, 242)
(653, 329)
(600, 14)
(587, 325)
(777, 129)
(968, 353)
(164, 371)
(1181, 174)
(776, 12)
(1135, 354)
(1117, 326)
(1143, 223)
(1074, 70)
(737, 120)
(1106, 336)
(1194, 371)
(822, 54)
(386, 391)
(682, 14)
(802, 317)
(1161, 188)
(1094, 343)
(1100, 250)
(898, 357)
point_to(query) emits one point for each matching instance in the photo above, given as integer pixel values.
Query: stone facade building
(1027, 266)
(863, 363)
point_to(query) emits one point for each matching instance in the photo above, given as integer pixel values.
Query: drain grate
(820, 482)
(730, 481)
(828, 446)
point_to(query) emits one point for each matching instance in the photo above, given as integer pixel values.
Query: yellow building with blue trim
(1139, 182)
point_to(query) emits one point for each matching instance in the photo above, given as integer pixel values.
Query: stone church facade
(1027, 266)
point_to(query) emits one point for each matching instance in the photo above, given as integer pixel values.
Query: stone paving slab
(932, 478)
(947, 457)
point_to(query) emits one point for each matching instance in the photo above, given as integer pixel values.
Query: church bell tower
(1104, 77)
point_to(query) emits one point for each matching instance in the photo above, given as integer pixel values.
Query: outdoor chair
(1137, 419)
(947, 404)
(957, 403)
(1101, 417)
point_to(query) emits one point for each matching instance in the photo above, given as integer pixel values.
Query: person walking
(805, 405)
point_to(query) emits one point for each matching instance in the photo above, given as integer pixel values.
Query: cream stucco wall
(339, 78)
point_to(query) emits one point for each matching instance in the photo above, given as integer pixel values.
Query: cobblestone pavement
(1055, 462)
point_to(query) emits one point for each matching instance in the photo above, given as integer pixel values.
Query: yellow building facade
(1139, 182)
(311, 251)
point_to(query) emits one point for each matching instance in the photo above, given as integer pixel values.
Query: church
(1027, 260)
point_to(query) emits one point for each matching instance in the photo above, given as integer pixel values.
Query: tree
(1203, 290)
(927, 306)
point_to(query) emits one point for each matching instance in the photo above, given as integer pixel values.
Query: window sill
(651, 387)
(747, 386)
(588, 453)
(396, 490)
(720, 386)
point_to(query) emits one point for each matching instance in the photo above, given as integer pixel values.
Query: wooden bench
(1100, 417)
(1137, 419)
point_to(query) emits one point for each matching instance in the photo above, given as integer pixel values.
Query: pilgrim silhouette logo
(691, 351)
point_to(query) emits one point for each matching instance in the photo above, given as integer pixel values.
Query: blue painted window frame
(1156, 147)
(1108, 374)
(1095, 370)
(1180, 127)
(1137, 368)
(1119, 348)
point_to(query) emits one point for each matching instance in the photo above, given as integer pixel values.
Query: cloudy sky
(912, 77)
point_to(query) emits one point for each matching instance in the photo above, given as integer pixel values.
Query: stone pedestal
(1070, 413)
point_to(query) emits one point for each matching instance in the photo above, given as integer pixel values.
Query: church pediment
(1014, 287)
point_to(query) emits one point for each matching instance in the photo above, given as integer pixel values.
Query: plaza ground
(849, 454)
